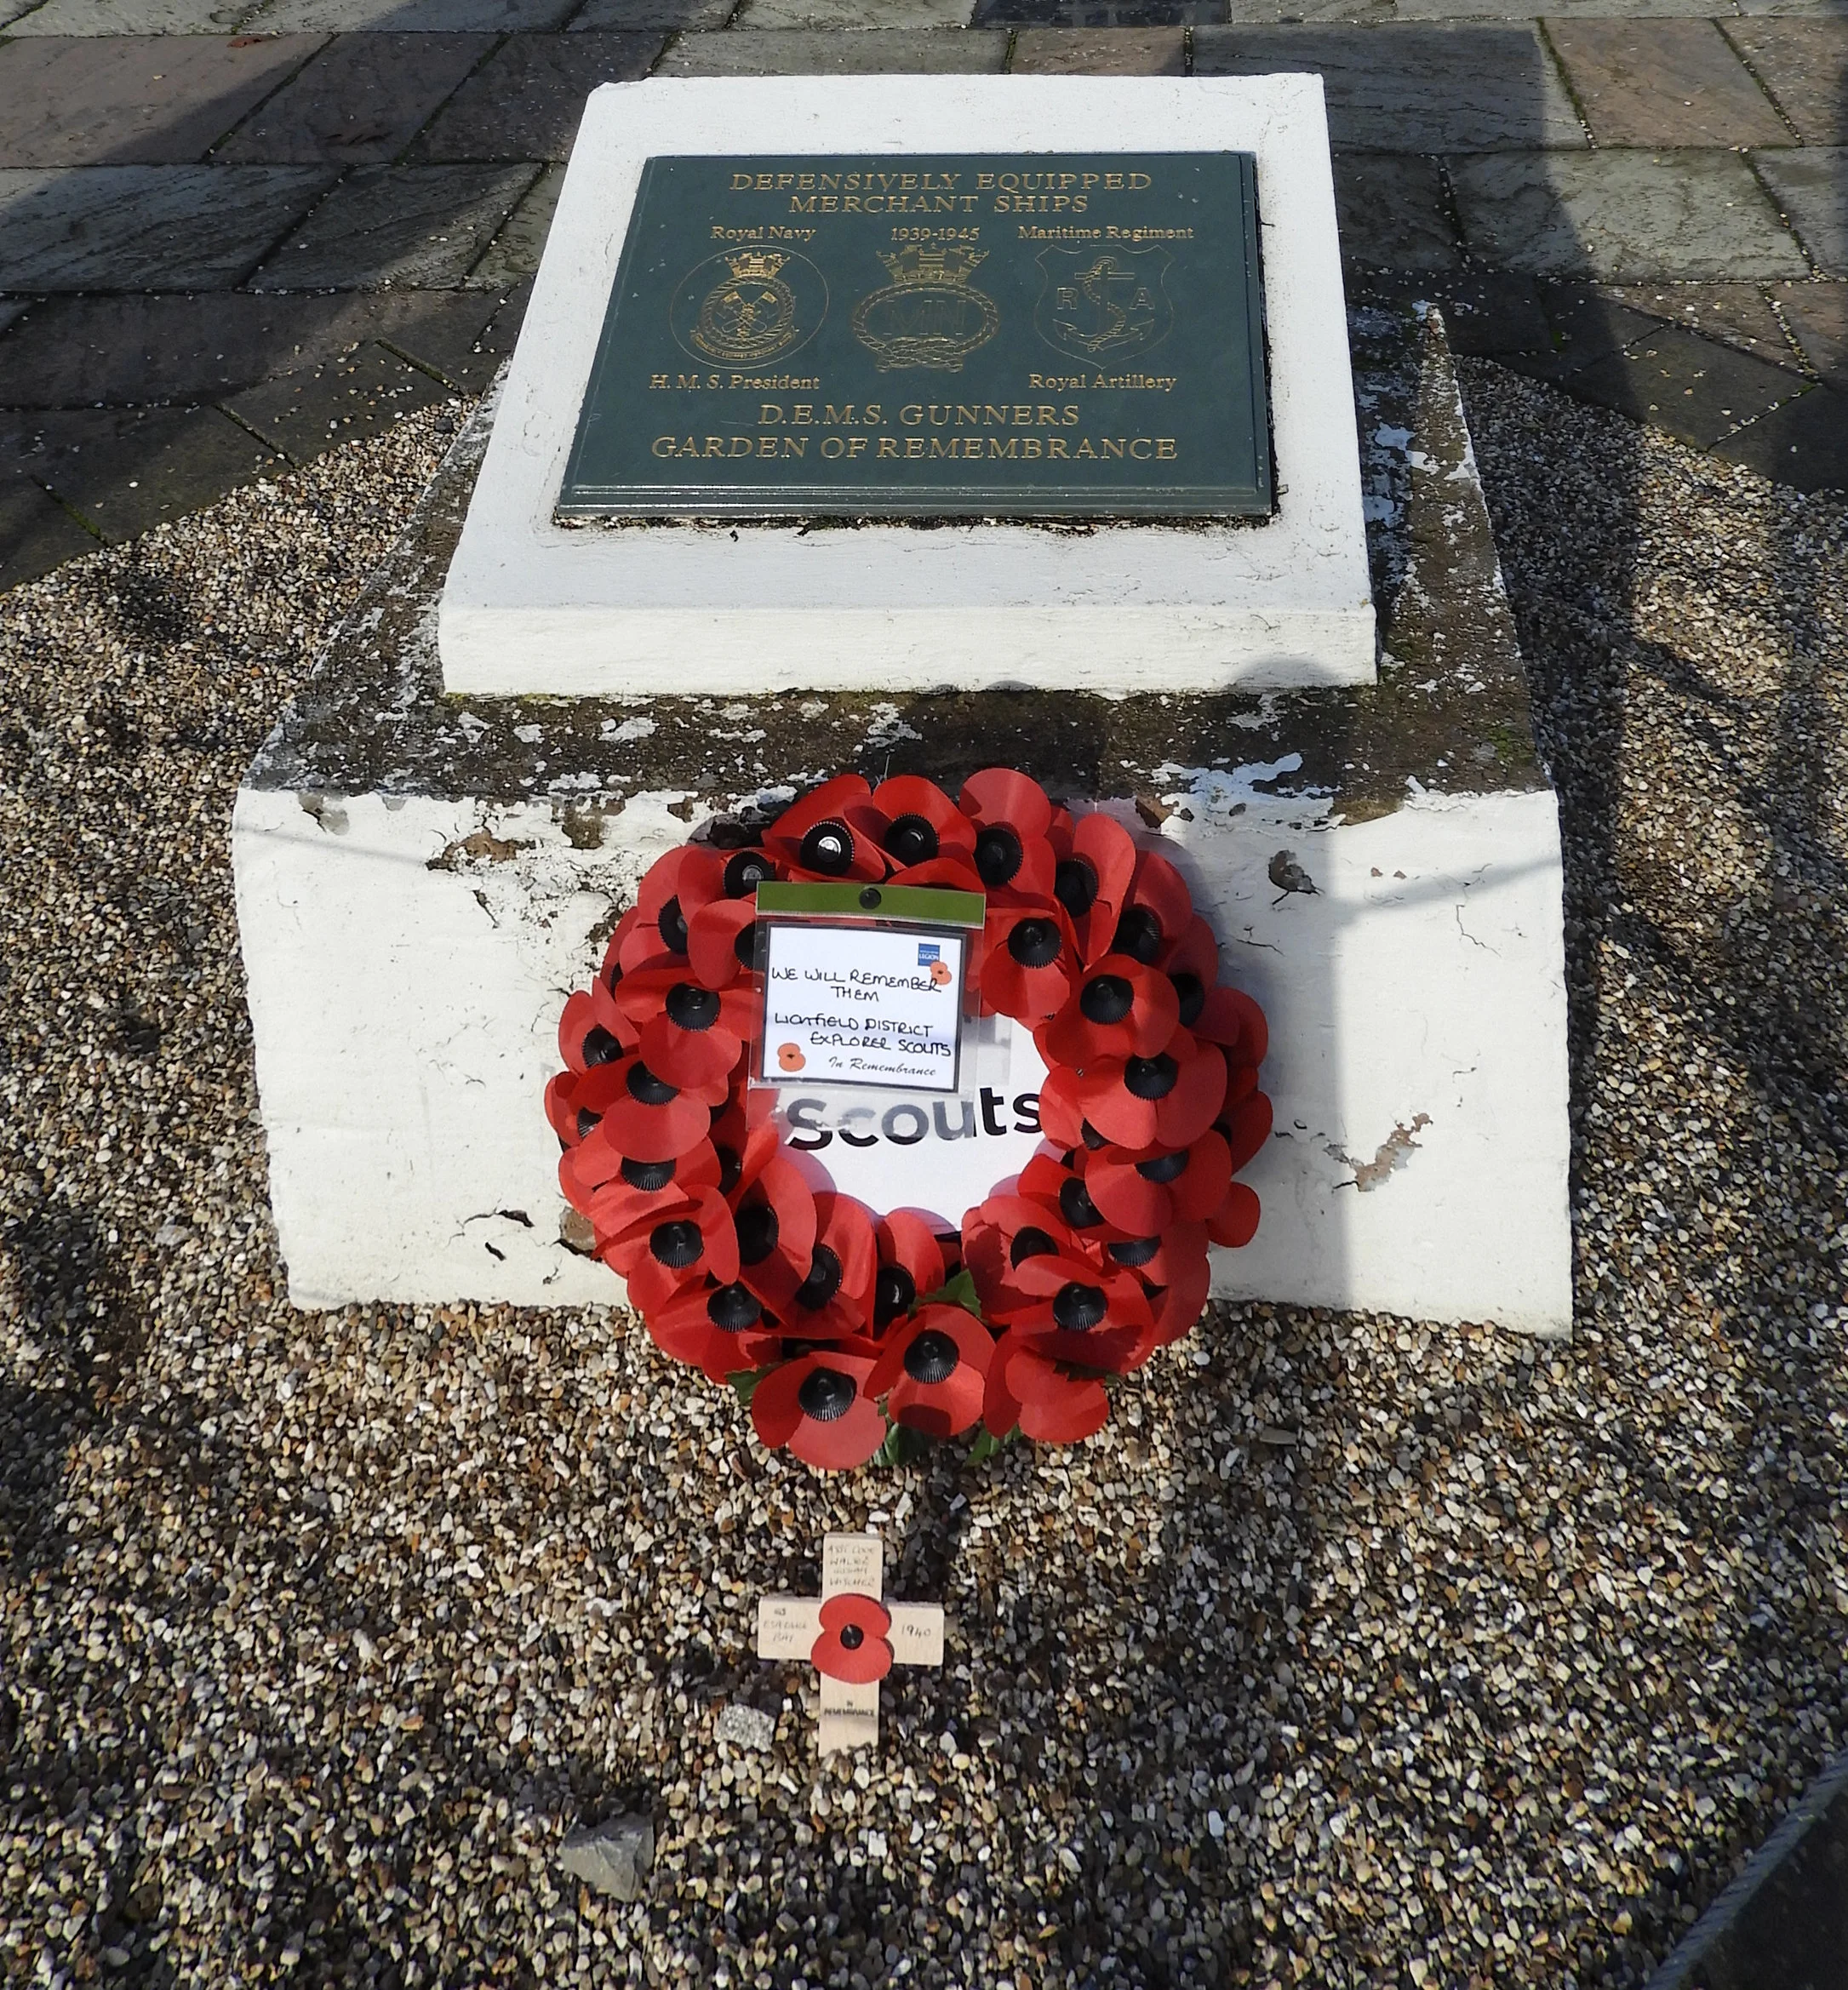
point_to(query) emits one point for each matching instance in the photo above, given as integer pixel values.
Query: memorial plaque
(1014, 335)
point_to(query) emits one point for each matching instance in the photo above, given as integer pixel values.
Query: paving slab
(78, 352)
(133, 100)
(1490, 312)
(1392, 212)
(146, 227)
(1626, 216)
(1803, 64)
(686, 15)
(1099, 14)
(514, 253)
(133, 17)
(1664, 83)
(812, 52)
(360, 101)
(1555, 9)
(1811, 188)
(1739, 314)
(1414, 89)
(486, 17)
(1059, 51)
(1299, 13)
(1804, 444)
(123, 471)
(305, 413)
(852, 14)
(36, 532)
(445, 332)
(1832, 8)
(526, 100)
(415, 224)
(1694, 388)
(1817, 315)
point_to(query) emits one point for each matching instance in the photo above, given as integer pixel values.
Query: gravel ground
(1354, 1652)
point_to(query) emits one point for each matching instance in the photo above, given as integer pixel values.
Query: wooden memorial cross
(851, 1637)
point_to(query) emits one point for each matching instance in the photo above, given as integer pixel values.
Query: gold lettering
(1113, 446)
(1164, 449)
(888, 445)
(1056, 445)
(770, 414)
(1142, 448)
(912, 414)
(664, 445)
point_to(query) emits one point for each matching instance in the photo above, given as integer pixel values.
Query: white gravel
(1367, 1654)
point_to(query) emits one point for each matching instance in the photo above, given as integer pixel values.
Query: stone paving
(233, 233)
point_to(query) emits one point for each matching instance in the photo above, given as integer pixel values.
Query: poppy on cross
(851, 1637)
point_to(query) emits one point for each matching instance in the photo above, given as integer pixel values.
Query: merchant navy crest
(1104, 303)
(748, 306)
(929, 314)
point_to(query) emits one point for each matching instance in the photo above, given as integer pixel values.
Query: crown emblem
(760, 263)
(924, 264)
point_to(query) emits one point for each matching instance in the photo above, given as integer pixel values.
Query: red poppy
(1155, 917)
(853, 1644)
(644, 1115)
(924, 828)
(720, 1330)
(668, 1250)
(773, 1210)
(1049, 1400)
(1012, 816)
(933, 1370)
(1175, 1273)
(835, 1298)
(1169, 1099)
(1144, 1190)
(690, 1035)
(1223, 1015)
(910, 1263)
(1246, 1129)
(1083, 1312)
(593, 1030)
(1234, 1223)
(1096, 861)
(818, 1407)
(1059, 1181)
(722, 941)
(832, 833)
(1004, 1230)
(1121, 1008)
(615, 1191)
(1062, 1109)
(673, 888)
(1029, 959)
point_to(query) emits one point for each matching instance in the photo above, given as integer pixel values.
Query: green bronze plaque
(1047, 336)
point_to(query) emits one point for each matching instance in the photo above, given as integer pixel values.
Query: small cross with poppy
(851, 1636)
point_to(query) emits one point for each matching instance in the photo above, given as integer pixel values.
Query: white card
(862, 1005)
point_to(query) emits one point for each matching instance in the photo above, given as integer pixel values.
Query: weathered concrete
(1802, 64)
(1664, 83)
(525, 102)
(146, 227)
(1622, 215)
(1416, 89)
(854, 15)
(814, 52)
(358, 102)
(1811, 189)
(139, 100)
(398, 224)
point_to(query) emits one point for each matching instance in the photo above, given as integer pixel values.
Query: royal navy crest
(748, 306)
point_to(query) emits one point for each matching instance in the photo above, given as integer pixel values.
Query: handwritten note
(862, 1005)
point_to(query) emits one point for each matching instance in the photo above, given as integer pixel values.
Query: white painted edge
(533, 608)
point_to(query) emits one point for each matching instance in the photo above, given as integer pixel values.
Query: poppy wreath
(847, 1331)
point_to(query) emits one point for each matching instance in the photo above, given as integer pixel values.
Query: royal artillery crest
(748, 306)
(929, 314)
(1103, 304)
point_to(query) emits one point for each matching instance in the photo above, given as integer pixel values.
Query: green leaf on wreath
(959, 1292)
(903, 1445)
(987, 1444)
(745, 1381)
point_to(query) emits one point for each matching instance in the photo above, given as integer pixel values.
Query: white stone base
(406, 1018)
(421, 881)
(534, 607)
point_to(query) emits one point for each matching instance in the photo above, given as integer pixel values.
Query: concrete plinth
(422, 879)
